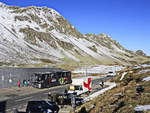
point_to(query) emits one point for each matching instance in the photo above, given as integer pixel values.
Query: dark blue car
(42, 107)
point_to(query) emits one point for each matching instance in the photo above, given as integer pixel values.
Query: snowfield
(94, 95)
(98, 69)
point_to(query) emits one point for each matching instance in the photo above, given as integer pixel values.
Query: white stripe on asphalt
(8, 109)
(23, 99)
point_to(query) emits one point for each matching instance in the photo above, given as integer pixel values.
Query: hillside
(40, 36)
(124, 98)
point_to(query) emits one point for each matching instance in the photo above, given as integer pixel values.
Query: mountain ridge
(41, 36)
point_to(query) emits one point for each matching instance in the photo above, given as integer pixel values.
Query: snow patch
(145, 65)
(146, 78)
(71, 56)
(2, 4)
(98, 69)
(144, 71)
(80, 45)
(94, 95)
(123, 75)
(141, 66)
(142, 108)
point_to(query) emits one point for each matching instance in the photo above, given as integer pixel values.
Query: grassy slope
(123, 98)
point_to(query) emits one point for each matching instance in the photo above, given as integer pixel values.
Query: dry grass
(124, 97)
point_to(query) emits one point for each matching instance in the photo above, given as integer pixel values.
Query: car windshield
(78, 88)
(45, 104)
(51, 103)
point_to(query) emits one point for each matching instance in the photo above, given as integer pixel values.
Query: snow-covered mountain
(40, 35)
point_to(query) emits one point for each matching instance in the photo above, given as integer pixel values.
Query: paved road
(20, 101)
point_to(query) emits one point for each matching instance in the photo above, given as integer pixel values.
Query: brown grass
(123, 98)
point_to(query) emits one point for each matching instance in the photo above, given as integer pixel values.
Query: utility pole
(86, 69)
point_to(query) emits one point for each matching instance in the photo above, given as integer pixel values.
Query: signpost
(73, 101)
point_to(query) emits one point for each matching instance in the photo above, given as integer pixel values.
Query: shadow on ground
(3, 106)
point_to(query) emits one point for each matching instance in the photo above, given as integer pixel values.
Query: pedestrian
(24, 83)
(50, 96)
(19, 82)
(102, 83)
(28, 83)
(66, 91)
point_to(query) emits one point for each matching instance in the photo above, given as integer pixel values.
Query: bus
(50, 79)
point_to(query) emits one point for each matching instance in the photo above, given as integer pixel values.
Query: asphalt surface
(21, 101)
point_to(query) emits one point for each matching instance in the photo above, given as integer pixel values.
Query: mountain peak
(2, 4)
(40, 35)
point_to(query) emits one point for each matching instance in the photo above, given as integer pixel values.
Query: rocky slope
(40, 35)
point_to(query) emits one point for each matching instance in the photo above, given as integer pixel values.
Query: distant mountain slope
(40, 35)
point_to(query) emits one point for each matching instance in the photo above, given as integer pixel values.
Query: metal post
(73, 102)
(86, 71)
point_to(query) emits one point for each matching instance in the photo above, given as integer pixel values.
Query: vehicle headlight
(49, 111)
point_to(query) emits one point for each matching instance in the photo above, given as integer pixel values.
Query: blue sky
(127, 21)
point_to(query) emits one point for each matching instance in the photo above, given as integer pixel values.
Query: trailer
(81, 85)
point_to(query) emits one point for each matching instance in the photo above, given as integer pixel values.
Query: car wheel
(28, 111)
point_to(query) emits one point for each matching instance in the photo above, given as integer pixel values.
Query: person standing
(19, 83)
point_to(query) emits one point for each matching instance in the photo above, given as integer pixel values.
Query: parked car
(111, 74)
(64, 98)
(42, 107)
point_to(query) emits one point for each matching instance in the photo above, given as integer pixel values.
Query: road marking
(8, 109)
(24, 99)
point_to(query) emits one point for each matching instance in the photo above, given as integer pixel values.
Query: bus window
(52, 75)
(68, 75)
(39, 77)
(46, 76)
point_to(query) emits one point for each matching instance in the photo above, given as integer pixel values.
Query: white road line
(23, 99)
(8, 109)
